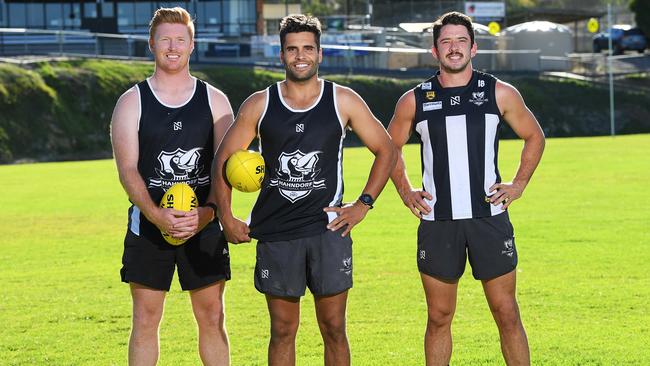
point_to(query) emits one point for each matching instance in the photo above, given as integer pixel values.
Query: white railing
(358, 54)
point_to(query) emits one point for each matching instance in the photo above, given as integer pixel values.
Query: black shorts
(202, 260)
(443, 247)
(323, 262)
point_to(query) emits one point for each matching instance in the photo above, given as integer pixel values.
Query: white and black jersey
(303, 153)
(459, 143)
(175, 145)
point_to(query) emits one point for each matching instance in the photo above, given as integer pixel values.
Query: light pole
(610, 51)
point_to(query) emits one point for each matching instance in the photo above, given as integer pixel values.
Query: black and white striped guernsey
(175, 145)
(459, 143)
(303, 153)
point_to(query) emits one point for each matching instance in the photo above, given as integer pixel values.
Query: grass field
(583, 235)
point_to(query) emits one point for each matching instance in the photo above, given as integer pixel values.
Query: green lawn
(583, 235)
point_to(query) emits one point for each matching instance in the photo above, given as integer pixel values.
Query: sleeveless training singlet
(175, 143)
(459, 142)
(303, 152)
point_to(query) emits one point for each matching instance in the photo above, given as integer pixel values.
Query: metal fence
(352, 55)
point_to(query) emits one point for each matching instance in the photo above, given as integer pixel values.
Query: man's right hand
(236, 230)
(414, 200)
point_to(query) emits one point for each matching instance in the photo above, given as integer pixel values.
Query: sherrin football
(245, 170)
(179, 196)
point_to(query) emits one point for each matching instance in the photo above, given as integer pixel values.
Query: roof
(553, 15)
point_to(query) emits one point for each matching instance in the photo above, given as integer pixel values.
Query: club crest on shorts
(179, 166)
(509, 247)
(347, 266)
(296, 175)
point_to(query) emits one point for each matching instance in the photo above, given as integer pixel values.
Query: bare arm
(238, 137)
(525, 125)
(354, 111)
(400, 129)
(124, 137)
(222, 115)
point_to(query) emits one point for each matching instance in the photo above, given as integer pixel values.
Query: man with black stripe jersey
(165, 130)
(463, 202)
(299, 220)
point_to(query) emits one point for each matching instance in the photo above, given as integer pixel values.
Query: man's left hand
(505, 193)
(191, 223)
(349, 215)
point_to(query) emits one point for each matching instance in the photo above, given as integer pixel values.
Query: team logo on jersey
(430, 95)
(431, 106)
(426, 86)
(296, 175)
(455, 100)
(179, 166)
(478, 98)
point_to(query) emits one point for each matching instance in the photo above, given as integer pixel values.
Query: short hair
(296, 23)
(175, 15)
(454, 18)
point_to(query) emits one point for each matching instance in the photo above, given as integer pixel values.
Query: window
(17, 16)
(143, 13)
(54, 15)
(2, 14)
(107, 9)
(125, 14)
(72, 15)
(35, 15)
(90, 10)
(209, 14)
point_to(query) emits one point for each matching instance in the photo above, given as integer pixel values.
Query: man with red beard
(165, 130)
(299, 220)
(462, 204)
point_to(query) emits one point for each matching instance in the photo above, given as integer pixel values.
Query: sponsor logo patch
(430, 106)
(430, 95)
(426, 86)
(455, 100)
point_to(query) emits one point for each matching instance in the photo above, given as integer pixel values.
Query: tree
(641, 9)
(316, 8)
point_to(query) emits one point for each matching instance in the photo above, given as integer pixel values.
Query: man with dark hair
(165, 130)
(462, 206)
(299, 219)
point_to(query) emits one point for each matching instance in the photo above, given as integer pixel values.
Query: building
(225, 18)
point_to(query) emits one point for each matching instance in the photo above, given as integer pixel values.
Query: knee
(146, 319)
(506, 316)
(283, 330)
(212, 317)
(440, 317)
(333, 329)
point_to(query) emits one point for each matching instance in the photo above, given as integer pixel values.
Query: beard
(454, 68)
(292, 76)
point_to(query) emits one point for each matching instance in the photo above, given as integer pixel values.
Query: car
(624, 38)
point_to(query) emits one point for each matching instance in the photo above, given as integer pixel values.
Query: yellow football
(245, 170)
(179, 196)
